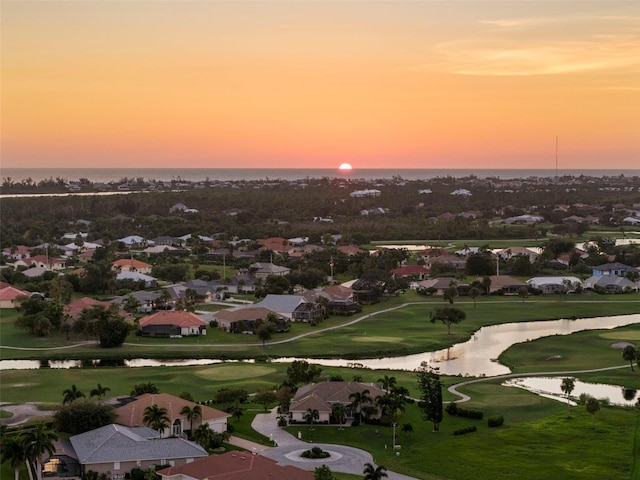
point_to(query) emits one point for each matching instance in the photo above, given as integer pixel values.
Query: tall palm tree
(203, 435)
(191, 414)
(374, 473)
(339, 412)
(37, 442)
(311, 416)
(156, 417)
(71, 394)
(13, 451)
(99, 391)
(387, 382)
(358, 399)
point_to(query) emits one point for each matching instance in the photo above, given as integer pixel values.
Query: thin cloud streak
(514, 47)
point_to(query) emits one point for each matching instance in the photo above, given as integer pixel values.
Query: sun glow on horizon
(250, 84)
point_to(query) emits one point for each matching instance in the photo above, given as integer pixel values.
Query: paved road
(289, 448)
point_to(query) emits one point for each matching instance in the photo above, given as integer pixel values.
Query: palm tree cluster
(72, 394)
(29, 446)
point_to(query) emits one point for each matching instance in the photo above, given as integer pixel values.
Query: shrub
(467, 413)
(463, 431)
(452, 409)
(315, 452)
(495, 421)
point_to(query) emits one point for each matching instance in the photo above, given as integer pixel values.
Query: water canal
(476, 357)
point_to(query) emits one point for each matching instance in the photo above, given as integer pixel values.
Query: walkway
(289, 448)
(465, 398)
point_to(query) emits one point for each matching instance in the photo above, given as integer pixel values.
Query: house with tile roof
(51, 263)
(263, 270)
(243, 319)
(132, 414)
(116, 449)
(505, 284)
(417, 272)
(614, 268)
(74, 309)
(16, 252)
(294, 307)
(555, 284)
(10, 296)
(173, 322)
(235, 466)
(323, 395)
(611, 284)
(131, 265)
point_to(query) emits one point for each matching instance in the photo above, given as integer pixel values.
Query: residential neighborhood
(189, 289)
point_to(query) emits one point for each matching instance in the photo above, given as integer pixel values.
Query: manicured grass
(537, 441)
(556, 446)
(586, 350)
(382, 333)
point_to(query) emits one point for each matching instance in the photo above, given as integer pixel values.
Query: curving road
(289, 448)
(465, 398)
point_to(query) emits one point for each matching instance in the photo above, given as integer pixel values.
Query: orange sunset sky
(312, 84)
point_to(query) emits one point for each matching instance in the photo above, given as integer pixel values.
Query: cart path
(465, 398)
(279, 342)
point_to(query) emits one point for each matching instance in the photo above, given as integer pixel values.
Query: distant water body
(107, 175)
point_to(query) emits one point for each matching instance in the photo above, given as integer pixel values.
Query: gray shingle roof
(115, 443)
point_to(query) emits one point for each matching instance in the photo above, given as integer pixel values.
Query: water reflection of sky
(478, 356)
(550, 387)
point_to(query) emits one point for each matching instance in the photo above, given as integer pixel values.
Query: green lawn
(402, 331)
(537, 441)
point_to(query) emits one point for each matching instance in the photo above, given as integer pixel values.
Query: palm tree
(630, 354)
(311, 416)
(358, 399)
(99, 391)
(13, 451)
(339, 412)
(387, 382)
(156, 417)
(567, 386)
(192, 414)
(37, 442)
(203, 435)
(474, 293)
(374, 473)
(71, 394)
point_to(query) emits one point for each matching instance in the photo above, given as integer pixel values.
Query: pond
(476, 357)
(550, 387)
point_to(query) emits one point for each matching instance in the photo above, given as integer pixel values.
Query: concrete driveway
(289, 448)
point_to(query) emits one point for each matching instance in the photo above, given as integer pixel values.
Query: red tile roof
(75, 308)
(11, 293)
(236, 466)
(132, 413)
(410, 270)
(131, 262)
(179, 318)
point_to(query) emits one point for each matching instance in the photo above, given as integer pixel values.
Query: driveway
(22, 413)
(289, 448)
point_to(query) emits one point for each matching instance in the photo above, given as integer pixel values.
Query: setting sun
(345, 167)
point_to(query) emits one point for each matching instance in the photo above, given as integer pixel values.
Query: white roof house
(370, 192)
(283, 305)
(554, 284)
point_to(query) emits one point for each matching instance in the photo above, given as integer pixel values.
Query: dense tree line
(288, 209)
